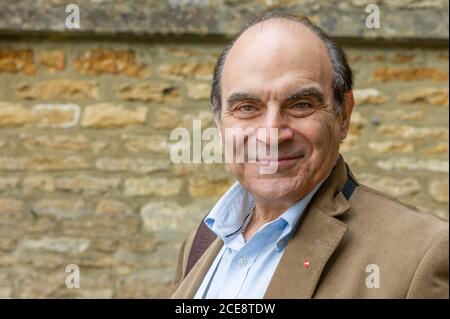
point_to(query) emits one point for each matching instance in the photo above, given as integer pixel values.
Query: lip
(282, 162)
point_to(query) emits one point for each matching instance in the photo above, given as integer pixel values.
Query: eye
(301, 105)
(246, 108)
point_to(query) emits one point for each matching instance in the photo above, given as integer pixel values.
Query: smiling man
(309, 230)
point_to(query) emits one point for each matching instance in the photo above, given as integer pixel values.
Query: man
(309, 230)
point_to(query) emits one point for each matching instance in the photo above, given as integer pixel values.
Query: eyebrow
(302, 93)
(241, 96)
(306, 92)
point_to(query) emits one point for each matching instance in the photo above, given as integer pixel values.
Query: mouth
(283, 161)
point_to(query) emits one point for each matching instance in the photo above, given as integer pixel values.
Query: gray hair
(342, 73)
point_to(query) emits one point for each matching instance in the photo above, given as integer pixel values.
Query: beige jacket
(341, 239)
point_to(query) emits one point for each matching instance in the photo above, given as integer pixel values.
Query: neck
(266, 212)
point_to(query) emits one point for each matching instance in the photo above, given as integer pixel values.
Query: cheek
(321, 132)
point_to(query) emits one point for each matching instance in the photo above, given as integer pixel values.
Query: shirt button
(242, 262)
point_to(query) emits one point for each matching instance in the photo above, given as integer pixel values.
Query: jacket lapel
(193, 280)
(317, 237)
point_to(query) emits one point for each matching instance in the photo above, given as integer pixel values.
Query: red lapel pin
(307, 263)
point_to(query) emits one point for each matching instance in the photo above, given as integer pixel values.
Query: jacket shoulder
(397, 215)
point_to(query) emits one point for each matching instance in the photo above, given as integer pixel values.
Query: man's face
(271, 78)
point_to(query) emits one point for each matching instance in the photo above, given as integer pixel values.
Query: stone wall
(85, 172)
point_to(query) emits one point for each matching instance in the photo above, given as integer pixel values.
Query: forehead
(276, 56)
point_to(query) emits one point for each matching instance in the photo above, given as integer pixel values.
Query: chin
(274, 188)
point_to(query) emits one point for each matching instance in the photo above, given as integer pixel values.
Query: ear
(346, 113)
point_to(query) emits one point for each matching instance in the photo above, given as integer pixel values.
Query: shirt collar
(227, 216)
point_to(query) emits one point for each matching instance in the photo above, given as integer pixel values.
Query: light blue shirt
(244, 269)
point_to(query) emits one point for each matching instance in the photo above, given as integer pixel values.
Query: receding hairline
(282, 22)
(278, 24)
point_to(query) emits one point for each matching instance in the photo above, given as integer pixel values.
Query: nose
(274, 119)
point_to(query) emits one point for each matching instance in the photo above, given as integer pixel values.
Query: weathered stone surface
(14, 114)
(113, 207)
(357, 123)
(8, 182)
(198, 91)
(109, 61)
(102, 225)
(33, 183)
(154, 92)
(146, 143)
(167, 118)
(17, 61)
(95, 260)
(402, 115)
(42, 115)
(414, 133)
(133, 165)
(441, 148)
(160, 216)
(7, 244)
(369, 96)
(413, 164)
(385, 73)
(434, 96)
(146, 186)
(62, 142)
(397, 187)
(61, 208)
(439, 190)
(349, 143)
(87, 184)
(7, 260)
(400, 19)
(53, 60)
(152, 283)
(95, 293)
(391, 147)
(182, 52)
(106, 245)
(187, 70)
(205, 117)
(5, 292)
(56, 115)
(38, 259)
(143, 244)
(12, 163)
(60, 89)
(54, 163)
(40, 226)
(107, 115)
(44, 163)
(60, 244)
(401, 58)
